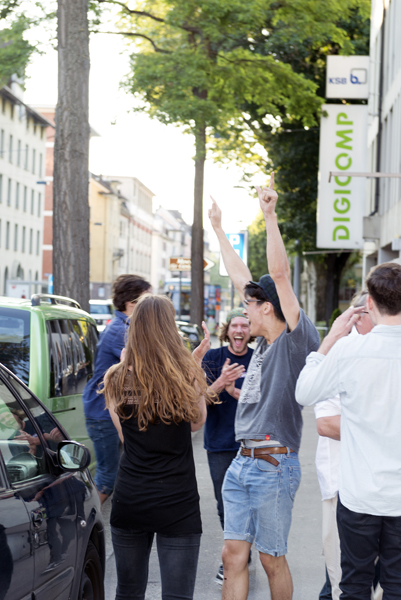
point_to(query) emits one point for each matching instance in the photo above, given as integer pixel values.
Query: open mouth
(238, 341)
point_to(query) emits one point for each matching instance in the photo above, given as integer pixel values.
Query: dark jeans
(178, 560)
(218, 465)
(362, 538)
(325, 592)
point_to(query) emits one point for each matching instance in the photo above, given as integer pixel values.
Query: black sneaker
(220, 576)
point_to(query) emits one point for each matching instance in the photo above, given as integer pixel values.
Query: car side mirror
(72, 456)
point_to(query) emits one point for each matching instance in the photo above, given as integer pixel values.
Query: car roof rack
(52, 299)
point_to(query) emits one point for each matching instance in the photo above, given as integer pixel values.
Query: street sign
(239, 241)
(183, 263)
(347, 77)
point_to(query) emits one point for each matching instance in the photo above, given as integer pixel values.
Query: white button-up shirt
(365, 371)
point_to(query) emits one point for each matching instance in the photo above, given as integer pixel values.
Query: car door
(47, 494)
(16, 551)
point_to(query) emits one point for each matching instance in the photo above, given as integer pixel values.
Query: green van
(49, 342)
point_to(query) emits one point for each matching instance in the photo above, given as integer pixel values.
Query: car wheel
(91, 587)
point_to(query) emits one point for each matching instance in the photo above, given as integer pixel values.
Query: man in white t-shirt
(328, 419)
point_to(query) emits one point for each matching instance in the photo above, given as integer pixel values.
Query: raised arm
(237, 270)
(277, 261)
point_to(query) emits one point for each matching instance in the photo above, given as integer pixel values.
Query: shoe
(51, 566)
(220, 576)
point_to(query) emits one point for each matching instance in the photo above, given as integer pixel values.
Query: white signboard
(347, 77)
(239, 241)
(343, 147)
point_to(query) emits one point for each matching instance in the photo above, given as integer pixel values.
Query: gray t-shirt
(267, 404)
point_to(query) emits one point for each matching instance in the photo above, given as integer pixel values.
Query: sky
(132, 144)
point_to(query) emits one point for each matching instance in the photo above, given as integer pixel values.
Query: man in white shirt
(366, 372)
(328, 418)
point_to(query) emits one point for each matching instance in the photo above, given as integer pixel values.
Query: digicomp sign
(343, 147)
(347, 77)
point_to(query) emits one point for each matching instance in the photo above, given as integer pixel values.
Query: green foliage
(257, 247)
(15, 51)
(336, 313)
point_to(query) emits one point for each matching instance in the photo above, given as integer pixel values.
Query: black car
(192, 331)
(52, 543)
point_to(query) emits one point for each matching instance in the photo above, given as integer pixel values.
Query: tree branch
(141, 35)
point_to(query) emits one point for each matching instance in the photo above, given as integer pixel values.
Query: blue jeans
(106, 443)
(258, 499)
(218, 465)
(363, 537)
(178, 560)
(325, 592)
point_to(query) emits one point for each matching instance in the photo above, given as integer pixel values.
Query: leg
(359, 540)
(178, 560)
(236, 574)
(218, 465)
(390, 558)
(131, 552)
(278, 573)
(325, 592)
(106, 443)
(331, 545)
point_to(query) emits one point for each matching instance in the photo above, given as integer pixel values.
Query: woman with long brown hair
(156, 396)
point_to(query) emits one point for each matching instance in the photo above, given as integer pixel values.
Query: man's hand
(267, 198)
(230, 373)
(340, 328)
(215, 215)
(204, 346)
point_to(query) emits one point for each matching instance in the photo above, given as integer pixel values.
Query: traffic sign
(183, 263)
(239, 241)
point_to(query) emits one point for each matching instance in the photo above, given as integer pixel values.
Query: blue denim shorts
(107, 448)
(258, 499)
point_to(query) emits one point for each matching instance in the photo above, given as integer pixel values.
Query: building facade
(22, 164)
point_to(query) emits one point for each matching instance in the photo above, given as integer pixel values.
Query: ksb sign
(343, 147)
(347, 77)
(239, 241)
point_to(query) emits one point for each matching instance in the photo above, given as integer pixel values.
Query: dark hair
(255, 291)
(223, 331)
(127, 288)
(384, 286)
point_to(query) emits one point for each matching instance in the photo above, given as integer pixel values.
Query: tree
(15, 51)
(190, 67)
(71, 155)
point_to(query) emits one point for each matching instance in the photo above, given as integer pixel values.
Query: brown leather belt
(264, 453)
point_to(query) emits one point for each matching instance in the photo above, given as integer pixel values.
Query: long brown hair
(158, 371)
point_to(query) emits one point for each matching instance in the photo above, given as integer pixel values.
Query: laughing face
(239, 335)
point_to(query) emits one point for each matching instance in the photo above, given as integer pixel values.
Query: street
(305, 556)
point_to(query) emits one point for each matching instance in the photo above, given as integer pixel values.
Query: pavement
(305, 548)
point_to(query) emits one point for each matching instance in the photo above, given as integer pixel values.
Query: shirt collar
(391, 330)
(122, 316)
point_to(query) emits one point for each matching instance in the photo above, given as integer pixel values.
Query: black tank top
(156, 488)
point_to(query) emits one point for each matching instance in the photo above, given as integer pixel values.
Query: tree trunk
(335, 264)
(71, 155)
(197, 285)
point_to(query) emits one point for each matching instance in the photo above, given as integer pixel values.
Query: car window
(101, 309)
(15, 327)
(61, 357)
(20, 444)
(90, 338)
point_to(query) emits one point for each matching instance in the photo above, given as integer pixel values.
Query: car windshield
(15, 341)
(100, 309)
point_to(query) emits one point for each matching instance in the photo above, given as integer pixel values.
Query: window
(10, 149)
(26, 157)
(15, 238)
(12, 111)
(3, 106)
(1, 189)
(9, 192)
(39, 203)
(37, 243)
(2, 143)
(25, 197)
(19, 153)
(8, 235)
(0, 242)
(32, 202)
(33, 160)
(30, 240)
(40, 164)
(23, 239)
(17, 195)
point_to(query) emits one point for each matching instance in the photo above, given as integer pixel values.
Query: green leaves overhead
(15, 51)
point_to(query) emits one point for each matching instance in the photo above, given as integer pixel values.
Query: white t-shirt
(328, 451)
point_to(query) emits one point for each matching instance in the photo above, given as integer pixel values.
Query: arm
(233, 391)
(318, 379)
(202, 407)
(229, 374)
(237, 270)
(277, 260)
(329, 427)
(116, 422)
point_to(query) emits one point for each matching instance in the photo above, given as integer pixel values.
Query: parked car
(50, 343)
(192, 331)
(102, 311)
(52, 543)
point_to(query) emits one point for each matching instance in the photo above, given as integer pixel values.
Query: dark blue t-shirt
(219, 427)
(108, 350)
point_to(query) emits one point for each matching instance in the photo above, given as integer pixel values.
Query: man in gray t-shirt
(261, 483)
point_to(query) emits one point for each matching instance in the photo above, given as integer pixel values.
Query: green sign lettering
(345, 231)
(345, 139)
(337, 162)
(344, 205)
(340, 119)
